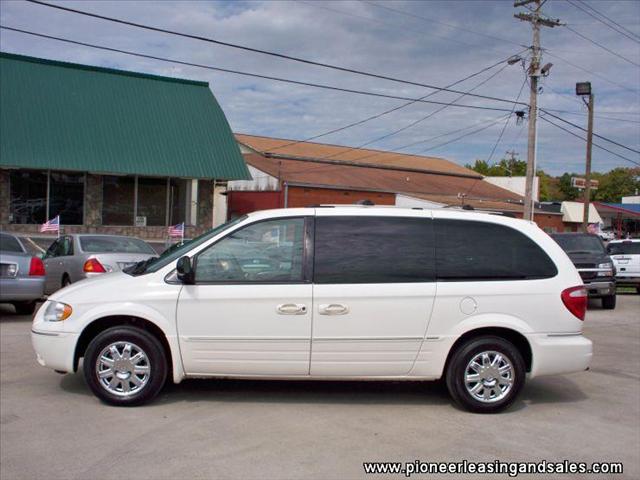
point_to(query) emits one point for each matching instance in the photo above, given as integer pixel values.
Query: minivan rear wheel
(125, 366)
(485, 374)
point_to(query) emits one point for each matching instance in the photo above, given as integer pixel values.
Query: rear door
(373, 293)
(53, 266)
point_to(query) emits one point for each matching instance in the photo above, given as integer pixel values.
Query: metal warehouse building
(111, 151)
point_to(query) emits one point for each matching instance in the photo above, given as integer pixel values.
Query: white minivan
(330, 293)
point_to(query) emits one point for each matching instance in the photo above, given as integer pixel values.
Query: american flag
(176, 230)
(52, 225)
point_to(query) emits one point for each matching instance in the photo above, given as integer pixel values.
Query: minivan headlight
(57, 311)
(608, 266)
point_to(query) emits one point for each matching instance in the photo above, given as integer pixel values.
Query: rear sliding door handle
(332, 309)
(291, 309)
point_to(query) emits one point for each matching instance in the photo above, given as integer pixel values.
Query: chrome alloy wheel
(123, 369)
(489, 376)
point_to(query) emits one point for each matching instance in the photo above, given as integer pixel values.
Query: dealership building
(111, 151)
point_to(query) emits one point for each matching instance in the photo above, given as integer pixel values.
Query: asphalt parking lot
(52, 427)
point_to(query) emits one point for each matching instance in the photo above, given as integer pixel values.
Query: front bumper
(54, 349)
(601, 288)
(21, 289)
(559, 353)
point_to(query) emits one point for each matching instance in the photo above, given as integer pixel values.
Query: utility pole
(584, 89)
(537, 19)
(511, 161)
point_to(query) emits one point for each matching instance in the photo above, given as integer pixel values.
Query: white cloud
(368, 38)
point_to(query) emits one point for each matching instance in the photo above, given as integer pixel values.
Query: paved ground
(52, 427)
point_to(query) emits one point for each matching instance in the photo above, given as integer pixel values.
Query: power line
(395, 26)
(591, 72)
(473, 132)
(595, 134)
(584, 140)
(260, 51)
(623, 30)
(506, 122)
(430, 20)
(385, 112)
(602, 46)
(415, 122)
(247, 74)
(602, 21)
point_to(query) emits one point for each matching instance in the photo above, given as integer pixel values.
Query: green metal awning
(64, 116)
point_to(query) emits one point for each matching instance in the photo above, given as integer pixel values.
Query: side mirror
(185, 271)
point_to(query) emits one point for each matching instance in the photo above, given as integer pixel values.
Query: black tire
(609, 302)
(457, 366)
(66, 280)
(25, 308)
(157, 363)
(638, 290)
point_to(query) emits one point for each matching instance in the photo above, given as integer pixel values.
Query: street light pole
(587, 176)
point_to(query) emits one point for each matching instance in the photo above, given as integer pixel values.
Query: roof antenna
(365, 202)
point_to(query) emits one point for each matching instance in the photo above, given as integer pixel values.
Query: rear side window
(470, 250)
(10, 244)
(373, 250)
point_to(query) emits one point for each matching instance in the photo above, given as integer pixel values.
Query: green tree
(617, 183)
(564, 184)
(480, 166)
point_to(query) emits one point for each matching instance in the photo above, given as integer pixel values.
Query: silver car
(74, 257)
(21, 275)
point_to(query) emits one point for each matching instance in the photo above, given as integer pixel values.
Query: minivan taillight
(575, 299)
(36, 267)
(93, 266)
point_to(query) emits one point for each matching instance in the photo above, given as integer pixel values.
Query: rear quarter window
(472, 250)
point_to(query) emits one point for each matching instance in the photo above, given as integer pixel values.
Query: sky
(427, 42)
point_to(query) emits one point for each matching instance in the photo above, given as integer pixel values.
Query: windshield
(624, 248)
(10, 244)
(109, 244)
(173, 253)
(585, 244)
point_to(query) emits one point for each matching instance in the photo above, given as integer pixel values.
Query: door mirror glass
(185, 270)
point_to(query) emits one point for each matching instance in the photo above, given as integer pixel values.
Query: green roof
(65, 116)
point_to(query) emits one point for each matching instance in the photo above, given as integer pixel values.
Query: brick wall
(305, 196)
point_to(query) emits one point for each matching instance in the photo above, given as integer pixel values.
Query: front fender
(166, 323)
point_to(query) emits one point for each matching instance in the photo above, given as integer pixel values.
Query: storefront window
(28, 196)
(179, 195)
(66, 197)
(152, 200)
(118, 196)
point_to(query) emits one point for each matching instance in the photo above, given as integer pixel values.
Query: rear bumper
(601, 288)
(21, 289)
(628, 281)
(560, 353)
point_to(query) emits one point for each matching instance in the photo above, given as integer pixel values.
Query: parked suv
(330, 293)
(594, 264)
(626, 258)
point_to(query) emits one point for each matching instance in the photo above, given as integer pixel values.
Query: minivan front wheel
(125, 366)
(485, 374)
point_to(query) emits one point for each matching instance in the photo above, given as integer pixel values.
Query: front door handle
(292, 309)
(333, 309)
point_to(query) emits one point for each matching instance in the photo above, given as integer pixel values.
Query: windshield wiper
(139, 267)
